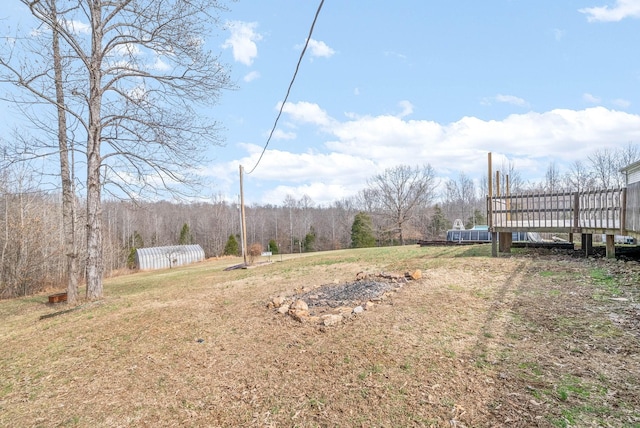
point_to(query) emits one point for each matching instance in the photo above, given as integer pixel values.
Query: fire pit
(330, 304)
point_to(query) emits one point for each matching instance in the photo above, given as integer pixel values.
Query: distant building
(168, 257)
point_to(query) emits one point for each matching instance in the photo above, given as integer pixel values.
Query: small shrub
(255, 250)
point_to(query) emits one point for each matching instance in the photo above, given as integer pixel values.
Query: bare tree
(460, 197)
(400, 191)
(34, 76)
(30, 242)
(516, 183)
(139, 72)
(603, 164)
(579, 177)
(66, 177)
(552, 178)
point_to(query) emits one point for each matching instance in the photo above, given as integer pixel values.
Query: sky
(413, 83)
(422, 82)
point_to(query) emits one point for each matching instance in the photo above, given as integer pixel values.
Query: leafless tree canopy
(461, 197)
(131, 75)
(400, 191)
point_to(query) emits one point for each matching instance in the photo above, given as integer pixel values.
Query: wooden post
(587, 244)
(507, 199)
(611, 246)
(494, 235)
(244, 222)
(490, 194)
(505, 240)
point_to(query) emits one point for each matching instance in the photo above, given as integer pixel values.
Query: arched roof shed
(168, 257)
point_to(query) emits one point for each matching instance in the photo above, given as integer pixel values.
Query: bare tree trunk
(94, 161)
(68, 196)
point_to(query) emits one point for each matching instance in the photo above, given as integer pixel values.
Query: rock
(283, 309)
(299, 310)
(299, 315)
(416, 274)
(358, 310)
(369, 305)
(342, 310)
(299, 305)
(331, 319)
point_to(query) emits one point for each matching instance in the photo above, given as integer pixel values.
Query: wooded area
(33, 256)
(32, 239)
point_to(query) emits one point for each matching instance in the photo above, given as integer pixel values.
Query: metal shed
(168, 257)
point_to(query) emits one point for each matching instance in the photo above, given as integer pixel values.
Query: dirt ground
(526, 340)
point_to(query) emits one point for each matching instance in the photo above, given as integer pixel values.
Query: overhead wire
(293, 79)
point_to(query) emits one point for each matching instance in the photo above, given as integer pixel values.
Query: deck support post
(587, 244)
(505, 239)
(611, 246)
(494, 244)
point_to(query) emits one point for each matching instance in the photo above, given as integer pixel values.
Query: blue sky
(415, 82)
(411, 82)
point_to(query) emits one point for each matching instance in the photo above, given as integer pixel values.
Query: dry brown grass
(511, 341)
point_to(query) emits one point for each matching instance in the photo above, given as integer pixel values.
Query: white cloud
(407, 108)
(160, 65)
(78, 27)
(138, 93)
(320, 193)
(505, 99)
(622, 9)
(126, 49)
(511, 99)
(307, 113)
(320, 49)
(395, 54)
(357, 147)
(243, 41)
(591, 98)
(251, 76)
(279, 134)
(622, 103)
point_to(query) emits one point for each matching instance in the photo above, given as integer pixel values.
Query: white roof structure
(168, 257)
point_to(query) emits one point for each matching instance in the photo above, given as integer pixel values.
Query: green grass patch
(606, 282)
(547, 273)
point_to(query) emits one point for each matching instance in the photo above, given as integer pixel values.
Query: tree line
(401, 205)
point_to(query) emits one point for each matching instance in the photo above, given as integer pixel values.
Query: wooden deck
(592, 212)
(587, 213)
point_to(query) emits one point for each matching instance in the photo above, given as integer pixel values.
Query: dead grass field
(528, 340)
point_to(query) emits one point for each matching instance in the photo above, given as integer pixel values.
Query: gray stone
(331, 319)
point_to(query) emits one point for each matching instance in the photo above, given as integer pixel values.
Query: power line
(275, 124)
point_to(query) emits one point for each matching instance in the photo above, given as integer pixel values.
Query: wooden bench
(58, 298)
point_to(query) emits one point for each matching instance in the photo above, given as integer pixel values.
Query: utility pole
(243, 220)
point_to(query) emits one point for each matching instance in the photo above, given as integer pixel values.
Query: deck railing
(559, 211)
